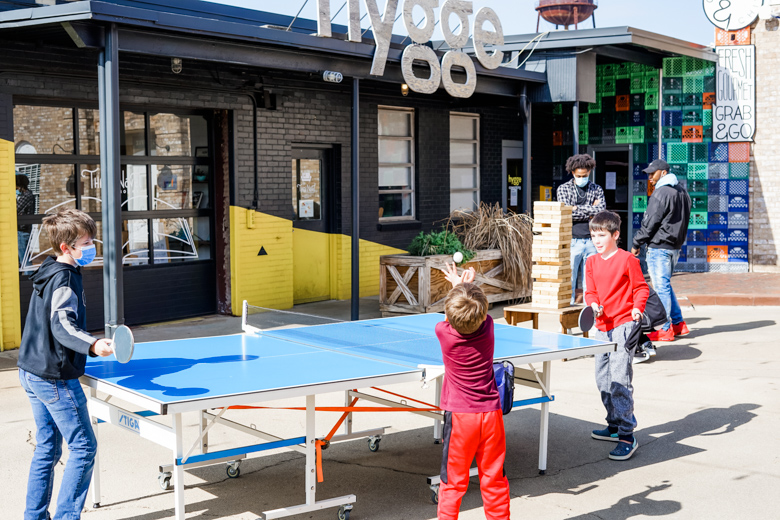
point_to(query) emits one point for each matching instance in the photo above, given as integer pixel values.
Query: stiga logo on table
(129, 423)
(440, 73)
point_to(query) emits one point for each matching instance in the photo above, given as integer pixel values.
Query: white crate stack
(551, 255)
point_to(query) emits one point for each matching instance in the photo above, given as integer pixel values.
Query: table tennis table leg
(311, 453)
(437, 424)
(204, 437)
(96, 468)
(347, 427)
(544, 422)
(178, 469)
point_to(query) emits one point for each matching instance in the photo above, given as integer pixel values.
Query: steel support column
(110, 170)
(355, 199)
(575, 115)
(525, 112)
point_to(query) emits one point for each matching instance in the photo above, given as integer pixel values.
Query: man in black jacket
(664, 229)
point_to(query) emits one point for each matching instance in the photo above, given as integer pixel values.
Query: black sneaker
(604, 435)
(623, 450)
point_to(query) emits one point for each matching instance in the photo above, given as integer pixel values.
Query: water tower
(566, 12)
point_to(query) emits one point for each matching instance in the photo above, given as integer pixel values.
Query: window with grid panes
(396, 163)
(464, 161)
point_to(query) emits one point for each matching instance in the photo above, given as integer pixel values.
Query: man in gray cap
(664, 229)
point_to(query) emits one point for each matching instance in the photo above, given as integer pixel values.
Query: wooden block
(545, 261)
(559, 246)
(550, 270)
(552, 305)
(552, 295)
(551, 240)
(546, 257)
(550, 227)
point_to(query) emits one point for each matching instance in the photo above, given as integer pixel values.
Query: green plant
(439, 243)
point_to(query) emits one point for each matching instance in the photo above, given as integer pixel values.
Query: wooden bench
(568, 316)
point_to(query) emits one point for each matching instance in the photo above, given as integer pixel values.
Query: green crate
(680, 170)
(693, 84)
(698, 152)
(637, 135)
(637, 102)
(673, 67)
(710, 84)
(697, 171)
(583, 135)
(640, 153)
(607, 87)
(692, 116)
(671, 101)
(640, 203)
(676, 152)
(697, 187)
(706, 117)
(672, 134)
(637, 83)
(595, 108)
(651, 100)
(622, 118)
(623, 71)
(584, 119)
(739, 170)
(605, 71)
(623, 134)
(692, 101)
(651, 132)
(635, 68)
(697, 67)
(699, 203)
(651, 116)
(673, 85)
(652, 80)
(698, 220)
(557, 109)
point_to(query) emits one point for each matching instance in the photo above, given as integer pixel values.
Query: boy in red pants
(473, 422)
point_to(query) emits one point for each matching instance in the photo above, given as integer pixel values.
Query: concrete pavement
(708, 408)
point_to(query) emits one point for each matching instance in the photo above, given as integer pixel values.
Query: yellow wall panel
(311, 266)
(10, 315)
(264, 281)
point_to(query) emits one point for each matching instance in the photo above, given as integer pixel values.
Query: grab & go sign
(734, 113)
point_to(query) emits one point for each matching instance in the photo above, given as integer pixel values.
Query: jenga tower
(551, 255)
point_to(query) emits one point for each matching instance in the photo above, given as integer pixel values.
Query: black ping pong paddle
(587, 318)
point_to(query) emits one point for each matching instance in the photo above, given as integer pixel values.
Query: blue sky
(683, 19)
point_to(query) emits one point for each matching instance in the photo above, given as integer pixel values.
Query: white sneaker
(640, 356)
(649, 348)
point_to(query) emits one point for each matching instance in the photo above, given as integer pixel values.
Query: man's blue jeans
(22, 238)
(581, 249)
(660, 264)
(60, 412)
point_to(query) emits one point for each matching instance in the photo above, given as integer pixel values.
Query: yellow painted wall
(311, 266)
(10, 316)
(267, 281)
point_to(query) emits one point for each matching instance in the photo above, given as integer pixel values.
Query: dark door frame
(593, 150)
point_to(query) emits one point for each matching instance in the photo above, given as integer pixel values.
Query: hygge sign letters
(440, 74)
(734, 113)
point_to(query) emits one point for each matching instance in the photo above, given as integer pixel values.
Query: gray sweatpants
(614, 373)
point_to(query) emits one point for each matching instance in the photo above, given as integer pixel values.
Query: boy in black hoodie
(51, 359)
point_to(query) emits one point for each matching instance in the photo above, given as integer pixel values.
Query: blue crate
(718, 203)
(683, 257)
(718, 220)
(696, 237)
(717, 237)
(639, 187)
(738, 187)
(696, 254)
(638, 173)
(637, 222)
(717, 187)
(738, 254)
(718, 171)
(636, 118)
(737, 237)
(719, 152)
(738, 220)
(738, 203)
(652, 151)
(671, 118)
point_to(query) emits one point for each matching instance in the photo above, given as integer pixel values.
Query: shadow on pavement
(391, 483)
(731, 327)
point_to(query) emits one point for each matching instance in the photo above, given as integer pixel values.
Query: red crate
(717, 254)
(740, 37)
(692, 134)
(739, 152)
(622, 103)
(558, 138)
(708, 99)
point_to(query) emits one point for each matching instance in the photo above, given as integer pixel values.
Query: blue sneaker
(604, 435)
(623, 450)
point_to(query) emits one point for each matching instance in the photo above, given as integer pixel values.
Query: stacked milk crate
(551, 255)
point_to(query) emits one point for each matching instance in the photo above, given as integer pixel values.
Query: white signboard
(734, 113)
(732, 15)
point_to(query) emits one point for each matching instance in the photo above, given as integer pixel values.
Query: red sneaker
(662, 335)
(680, 329)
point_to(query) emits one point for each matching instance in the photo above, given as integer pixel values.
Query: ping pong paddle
(587, 319)
(124, 344)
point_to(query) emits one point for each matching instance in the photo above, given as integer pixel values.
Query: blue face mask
(581, 181)
(87, 255)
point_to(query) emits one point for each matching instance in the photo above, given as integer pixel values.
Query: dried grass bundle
(488, 227)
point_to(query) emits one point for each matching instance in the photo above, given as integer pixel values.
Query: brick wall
(765, 162)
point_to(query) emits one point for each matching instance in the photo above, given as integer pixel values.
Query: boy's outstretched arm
(63, 319)
(452, 276)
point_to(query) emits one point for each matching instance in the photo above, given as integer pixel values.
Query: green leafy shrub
(439, 243)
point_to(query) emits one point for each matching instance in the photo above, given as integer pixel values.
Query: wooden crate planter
(415, 284)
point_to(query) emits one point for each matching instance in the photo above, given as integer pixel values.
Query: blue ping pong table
(166, 379)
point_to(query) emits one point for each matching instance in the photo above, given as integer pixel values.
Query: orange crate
(717, 254)
(692, 134)
(739, 152)
(740, 37)
(708, 99)
(622, 103)
(558, 138)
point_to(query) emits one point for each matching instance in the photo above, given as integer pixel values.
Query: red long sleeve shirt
(469, 385)
(618, 285)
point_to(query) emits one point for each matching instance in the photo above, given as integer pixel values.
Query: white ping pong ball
(458, 257)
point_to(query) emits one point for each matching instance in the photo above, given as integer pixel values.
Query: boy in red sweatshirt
(473, 422)
(617, 291)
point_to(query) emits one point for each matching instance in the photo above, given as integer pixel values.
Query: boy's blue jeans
(581, 249)
(60, 412)
(660, 265)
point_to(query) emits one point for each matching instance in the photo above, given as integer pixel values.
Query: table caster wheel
(435, 494)
(233, 470)
(373, 444)
(165, 481)
(96, 505)
(344, 512)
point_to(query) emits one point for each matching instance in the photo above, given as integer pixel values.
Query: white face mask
(581, 181)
